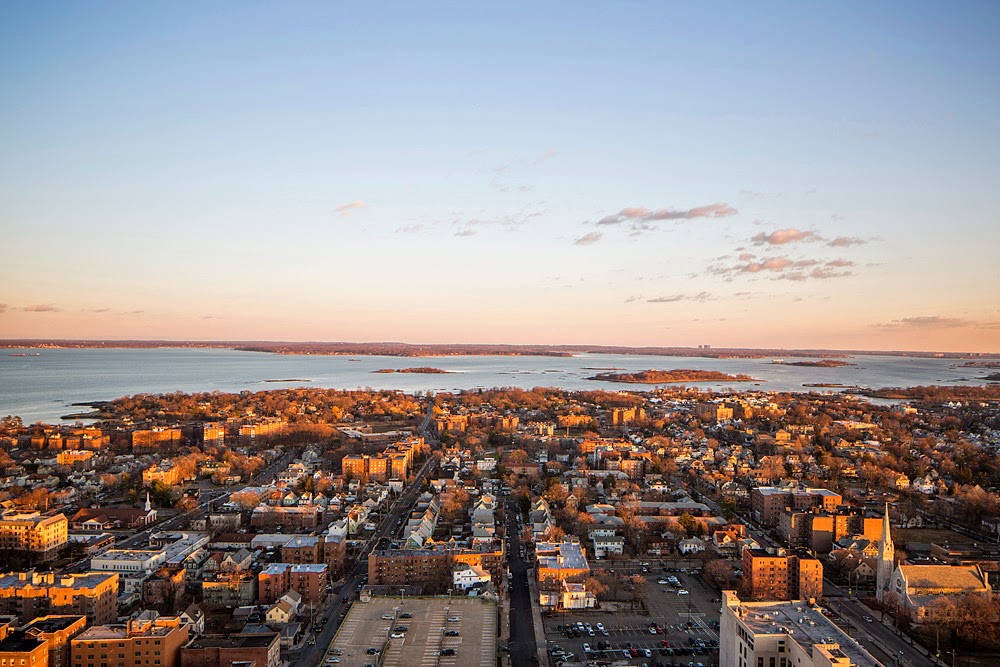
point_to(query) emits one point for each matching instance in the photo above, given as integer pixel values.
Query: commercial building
(780, 575)
(30, 594)
(139, 643)
(32, 532)
(784, 634)
(128, 560)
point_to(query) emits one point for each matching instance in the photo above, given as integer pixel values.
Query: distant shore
(422, 369)
(822, 363)
(396, 349)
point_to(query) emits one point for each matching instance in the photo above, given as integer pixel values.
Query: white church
(915, 587)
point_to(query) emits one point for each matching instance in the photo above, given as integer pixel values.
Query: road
(523, 650)
(879, 639)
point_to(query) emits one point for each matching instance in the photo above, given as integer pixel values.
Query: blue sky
(789, 175)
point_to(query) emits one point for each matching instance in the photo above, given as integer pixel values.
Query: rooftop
(261, 640)
(805, 625)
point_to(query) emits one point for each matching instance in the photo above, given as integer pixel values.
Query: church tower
(149, 505)
(886, 553)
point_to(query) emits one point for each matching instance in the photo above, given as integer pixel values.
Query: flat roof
(364, 628)
(53, 623)
(256, 640)
(803, 624)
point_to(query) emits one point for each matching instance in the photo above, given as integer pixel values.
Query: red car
(633, 652)
(664, 643)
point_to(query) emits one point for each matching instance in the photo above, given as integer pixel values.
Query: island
(421, 369)
(822, 363)
(675, 375)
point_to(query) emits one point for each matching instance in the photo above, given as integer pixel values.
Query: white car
(586, 648)
(454, 619)
(388, 617)
(682, 592)
(600, 627)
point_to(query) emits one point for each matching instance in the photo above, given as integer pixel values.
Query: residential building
(32, 532)
(152, 642)
(19, 648)
(276, 579)
(31, 594)
(246, 650)
(767, 502)
(779, 575)
(56, 632)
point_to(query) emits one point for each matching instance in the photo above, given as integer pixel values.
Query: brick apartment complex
(257, 649)
(56, 631)
(276, 579)
(429, 567)
(39, 535)
(316, 549)
(781, 575)
(767, 502)
(145, 643)
(818, 530)
(19, 648)
(30, 594)
(393, 463)
(290, 518)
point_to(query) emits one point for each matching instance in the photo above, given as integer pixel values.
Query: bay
(45, 387)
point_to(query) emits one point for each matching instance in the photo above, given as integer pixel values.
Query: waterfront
(44, 387)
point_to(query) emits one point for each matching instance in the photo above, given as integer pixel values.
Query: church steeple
(886, 557)
(149, 505)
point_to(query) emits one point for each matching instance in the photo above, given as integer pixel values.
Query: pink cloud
(846, 241)
(783, 236)
(588, 239)
(639, 215)
(41, 308)
(346, 209)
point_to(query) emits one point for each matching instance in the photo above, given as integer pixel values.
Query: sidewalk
(536, 621)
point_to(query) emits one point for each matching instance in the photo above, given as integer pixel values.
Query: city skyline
(642, 174)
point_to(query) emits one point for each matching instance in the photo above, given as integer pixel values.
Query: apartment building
(308, 580)
(781, 575)
(31, 594)
(767, 502)
(40, 535)
(138, 643)
(56, 632)
(250, 649)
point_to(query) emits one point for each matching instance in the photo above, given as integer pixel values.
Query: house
(691, 545)
(607, 546)
(465, 576)
(576, 596)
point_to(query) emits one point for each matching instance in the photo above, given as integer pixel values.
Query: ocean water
(44, 387)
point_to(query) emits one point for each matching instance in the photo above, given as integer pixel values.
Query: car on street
(869, 619)
(682, 592)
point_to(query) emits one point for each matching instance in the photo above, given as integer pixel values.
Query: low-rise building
(56, 631)
(249, 650)
(308, 580)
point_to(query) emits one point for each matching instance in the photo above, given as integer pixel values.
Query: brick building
(781, 575)
(56, 631)
(30, 594)
(139, 643)
(32, 532)
(251, 649)
(276, 579)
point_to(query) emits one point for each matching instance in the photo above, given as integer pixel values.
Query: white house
(606, 546)
(464, 576)
(691, 545)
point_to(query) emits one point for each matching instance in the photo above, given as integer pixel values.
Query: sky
(625, 173)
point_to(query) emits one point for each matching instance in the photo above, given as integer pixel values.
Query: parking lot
(416, 632)
(685, 630)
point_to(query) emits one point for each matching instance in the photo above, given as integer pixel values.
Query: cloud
(700, 297)
(785, 268)
(751, 194)
(925, 322)
(41, 308)
(510, 221)
(346, 209)
(846, 241)
(641, 217)
(588, 239)
(546, 156)
(783, 236)
(409, 229)
(3, 307)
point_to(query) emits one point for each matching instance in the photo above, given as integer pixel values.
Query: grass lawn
(929, 536)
